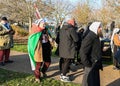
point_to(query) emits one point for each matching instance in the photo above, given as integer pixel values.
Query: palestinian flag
(32, 44)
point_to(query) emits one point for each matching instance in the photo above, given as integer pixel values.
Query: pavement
(108, 76)
(22, 64)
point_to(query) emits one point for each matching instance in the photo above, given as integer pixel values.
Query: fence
(20, 41)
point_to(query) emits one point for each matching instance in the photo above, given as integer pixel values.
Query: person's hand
(105, 48)
(12, 32)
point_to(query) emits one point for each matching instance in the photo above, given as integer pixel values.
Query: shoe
(65, 79)
(37, 80)
(9, 61)
(2, 63)
(44, 75)
(61, 75)
(116, 68)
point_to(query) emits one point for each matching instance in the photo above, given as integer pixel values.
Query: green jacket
(5, 38)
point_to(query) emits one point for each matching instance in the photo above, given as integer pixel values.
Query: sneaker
(9, 61)
(65, 79)
(37, 80)
(2, 63)
(44, 75)
(116, 68)
(61, 75)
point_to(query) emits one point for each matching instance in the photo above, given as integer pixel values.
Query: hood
(66, 26)
(94, 27)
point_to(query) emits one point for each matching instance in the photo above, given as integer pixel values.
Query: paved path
(22, 64)
(109, 77)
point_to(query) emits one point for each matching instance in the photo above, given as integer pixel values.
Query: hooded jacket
(90, 51)
(67, 43)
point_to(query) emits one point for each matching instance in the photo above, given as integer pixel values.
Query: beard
(100, 34)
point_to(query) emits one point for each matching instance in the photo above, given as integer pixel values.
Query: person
(114, 48)
(67, 43)
(6, 41)
(112, 26)
(39, 49)
(90, 53)
(80, 32)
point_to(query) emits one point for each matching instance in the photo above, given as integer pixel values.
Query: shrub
(19, 31)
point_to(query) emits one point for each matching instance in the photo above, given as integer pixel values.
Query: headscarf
(38, 21)
(94, 27)
(114, 32)
(35, 26)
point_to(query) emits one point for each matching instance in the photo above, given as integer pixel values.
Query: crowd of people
(72, 42)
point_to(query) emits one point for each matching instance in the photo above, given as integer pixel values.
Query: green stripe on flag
(32, 43)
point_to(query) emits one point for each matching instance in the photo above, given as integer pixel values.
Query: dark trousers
(40, 66)
(91, 77)
(65, 65)
(60, 64)
(4, 53)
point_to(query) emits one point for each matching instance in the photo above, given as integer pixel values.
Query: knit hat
(4, 18)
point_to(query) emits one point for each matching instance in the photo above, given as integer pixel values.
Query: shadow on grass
(22, 65)
(74, 72)
(11, 77)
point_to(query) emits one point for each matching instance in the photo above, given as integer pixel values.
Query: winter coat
(67, 43)
(6, 37)
(90, 51)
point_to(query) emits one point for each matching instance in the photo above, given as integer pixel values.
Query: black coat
(90, 51)
(67, 44)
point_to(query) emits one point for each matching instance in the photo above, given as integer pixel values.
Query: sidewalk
(22, 64)
(108, 76)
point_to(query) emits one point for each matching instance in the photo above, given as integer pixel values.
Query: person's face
(3, 21)
(42, 25)
(100, 32)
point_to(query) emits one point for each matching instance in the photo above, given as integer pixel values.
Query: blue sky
(93, 3)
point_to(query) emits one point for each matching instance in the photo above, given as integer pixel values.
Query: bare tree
(114, 7)
(82, 13)
(23, 10)
(62, 8)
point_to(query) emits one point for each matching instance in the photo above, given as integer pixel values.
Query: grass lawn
(9, 78)
(23, 48)
(20, 48)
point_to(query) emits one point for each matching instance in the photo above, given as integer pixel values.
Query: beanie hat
(4, 18)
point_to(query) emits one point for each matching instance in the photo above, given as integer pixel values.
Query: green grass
(23, 48)
(10, 78)
(20, 48)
